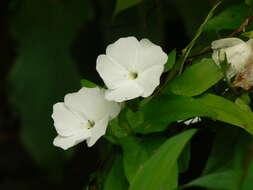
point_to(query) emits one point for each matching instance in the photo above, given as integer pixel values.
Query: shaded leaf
(44, 71)
(122, 5)
(220, 181)
(116, 178)
(184, 159)
(229, 18)
(171, 60)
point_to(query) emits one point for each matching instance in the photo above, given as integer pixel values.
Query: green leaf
(171, 60)
(161, 111)
(196, 79)
(160, 171)
(116, 178)
(44, 72)
(88, 84)
(227, 111)
(137, 151)
(229, 18)
(223, 180)
(122, 5)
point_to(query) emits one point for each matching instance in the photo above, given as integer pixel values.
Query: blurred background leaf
(44, 71)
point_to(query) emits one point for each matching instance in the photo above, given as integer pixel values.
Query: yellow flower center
(132, 75)
(90, 124)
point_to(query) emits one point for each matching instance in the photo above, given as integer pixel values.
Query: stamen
(132, 75)
(90, 124)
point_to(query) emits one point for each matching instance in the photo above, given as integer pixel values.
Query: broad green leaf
(227, 111)
(44, 72)
(122, 5)
(196, 79)
(161, 111)
(137, 151)
(229, 18)
(159, 171)
(171, 60)
(221, 181)
(116, 178)
(88, 84)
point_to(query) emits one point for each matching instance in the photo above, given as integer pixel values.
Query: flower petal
(127, 91)
(67, 142)
(225, 43)
(65, 122)
(124, 52)
(150, 55)
(237, 51)
(97, 131)
(150, 79)
(112, 73)
(90, 103)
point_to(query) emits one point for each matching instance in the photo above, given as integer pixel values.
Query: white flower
(131, 68)
(238, 53)
(83, 115)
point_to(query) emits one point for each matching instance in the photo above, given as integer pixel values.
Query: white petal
(67, 142)
(192, 121)
(150, 79)
(97, 131)
(150, 55)
(91, 103)
(112, 73)
(238, 53)
(225, 43)
(65, 122)
(127, 91)
(124, 52)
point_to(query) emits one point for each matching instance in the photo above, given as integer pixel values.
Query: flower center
(90, 124)
(132, 75)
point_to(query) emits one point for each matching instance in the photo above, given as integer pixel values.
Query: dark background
(46, 47)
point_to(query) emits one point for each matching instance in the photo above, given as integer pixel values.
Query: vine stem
(241, 28)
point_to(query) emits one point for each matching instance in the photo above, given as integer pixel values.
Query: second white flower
(131, 68)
